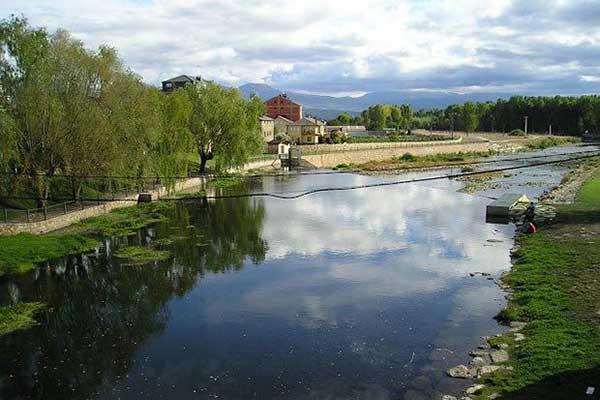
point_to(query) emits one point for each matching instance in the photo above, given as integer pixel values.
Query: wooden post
(6, 215)
(45, 213)
(65, 207)
(28, 215)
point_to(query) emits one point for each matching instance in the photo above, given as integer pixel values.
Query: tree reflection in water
(100, 310)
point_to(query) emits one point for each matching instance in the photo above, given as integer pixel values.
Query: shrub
(517, 132)
(407, 157)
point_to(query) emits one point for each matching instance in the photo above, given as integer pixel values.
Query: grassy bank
(409, 161)
(556, 283)
(20, 253)
(124, 221)
(551, 141)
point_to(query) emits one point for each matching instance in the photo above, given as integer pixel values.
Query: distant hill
(329, 107)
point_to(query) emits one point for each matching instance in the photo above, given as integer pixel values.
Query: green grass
(125, 221)
(226, 181)
(137, 255)
(18, 317)
(551, 141)
(408, 161)
(556, 279)
(20, 253)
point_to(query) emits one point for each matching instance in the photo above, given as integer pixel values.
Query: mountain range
(329, 107)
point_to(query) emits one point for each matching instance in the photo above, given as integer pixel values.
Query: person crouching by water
(529, 222)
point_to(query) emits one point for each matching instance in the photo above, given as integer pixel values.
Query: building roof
(181, 78)
(289, 121)
(283, 96)
(308, 121)
(266, 118)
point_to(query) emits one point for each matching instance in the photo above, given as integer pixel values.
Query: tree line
(66, 110)
(571, 115)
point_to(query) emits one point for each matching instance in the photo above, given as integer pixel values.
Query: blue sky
(345, 47)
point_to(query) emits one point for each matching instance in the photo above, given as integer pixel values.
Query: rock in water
(460, 371)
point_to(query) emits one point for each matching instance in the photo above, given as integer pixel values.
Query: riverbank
(553, 350)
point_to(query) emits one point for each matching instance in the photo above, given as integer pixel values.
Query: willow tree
(175, 142)
(225, 126)
(27, 96)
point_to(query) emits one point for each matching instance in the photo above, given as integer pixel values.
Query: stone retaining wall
(328, 160)
(63, 221)
(343, 147)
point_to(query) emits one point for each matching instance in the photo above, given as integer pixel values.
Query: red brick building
(281, 105)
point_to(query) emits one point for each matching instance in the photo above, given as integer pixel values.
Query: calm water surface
(360, 294)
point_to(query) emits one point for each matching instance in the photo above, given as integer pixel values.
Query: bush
(517, 132)
(407, 157)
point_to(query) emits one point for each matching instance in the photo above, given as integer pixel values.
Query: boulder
(479, 353)
(519, 337)
(517, 325)
(474, 389)
(488, 369)
(460, 371)
(499, 356)
(479, 361)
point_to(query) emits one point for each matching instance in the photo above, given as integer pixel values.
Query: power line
(342, 188)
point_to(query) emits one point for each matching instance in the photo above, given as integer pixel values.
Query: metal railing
(30, 215)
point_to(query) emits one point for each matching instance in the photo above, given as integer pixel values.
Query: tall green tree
(27, 73)
(469, 117)
(175, 141)
(225, 126)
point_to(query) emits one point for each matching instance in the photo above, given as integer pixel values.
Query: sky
(345, 47)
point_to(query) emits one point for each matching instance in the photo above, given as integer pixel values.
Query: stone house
(307, 131)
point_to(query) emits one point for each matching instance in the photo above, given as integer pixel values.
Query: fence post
(45, 213)
(28, 215)
(65, 207)
(98, 198)
(6, 215)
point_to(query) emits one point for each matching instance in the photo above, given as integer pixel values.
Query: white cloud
(337, 46)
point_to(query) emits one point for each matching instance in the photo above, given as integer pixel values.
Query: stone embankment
(374, 152)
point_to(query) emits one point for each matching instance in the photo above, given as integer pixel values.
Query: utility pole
(526, 118)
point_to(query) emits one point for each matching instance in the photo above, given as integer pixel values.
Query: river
(359, 294)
